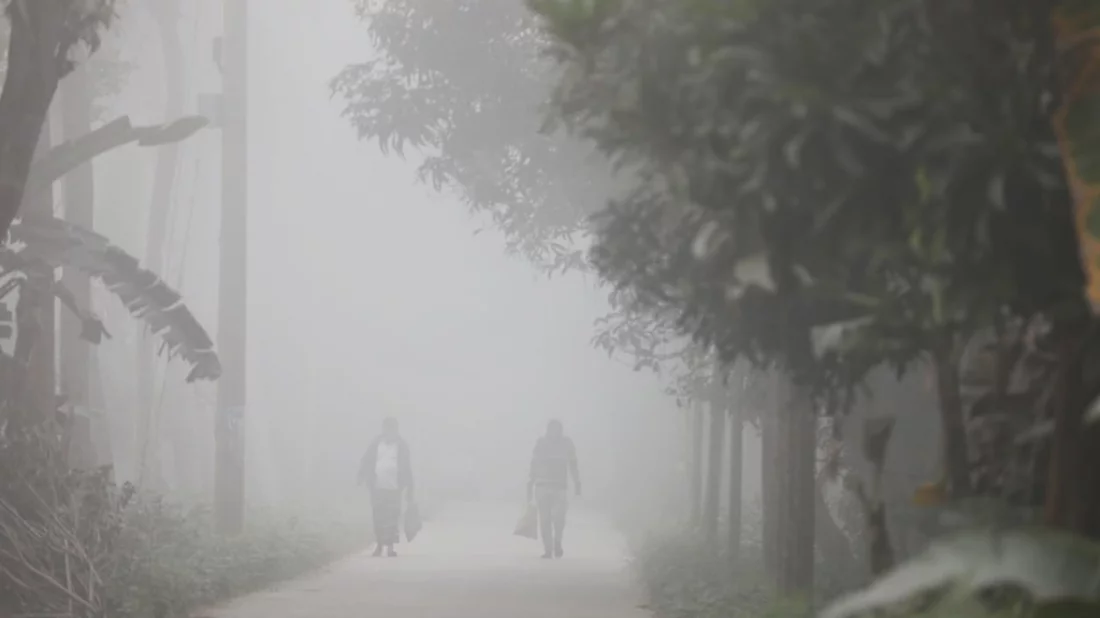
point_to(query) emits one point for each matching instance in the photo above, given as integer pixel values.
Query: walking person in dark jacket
(554, 461)
(386, 470)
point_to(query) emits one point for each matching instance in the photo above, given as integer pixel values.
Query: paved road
(465, 564)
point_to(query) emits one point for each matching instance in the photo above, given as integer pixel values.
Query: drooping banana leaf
(91, 330)
(1076, 26)
(58, 243)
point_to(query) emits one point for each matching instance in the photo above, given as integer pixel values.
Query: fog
(567, 303)
(369, 295)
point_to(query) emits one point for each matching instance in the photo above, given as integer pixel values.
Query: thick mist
(525, 307)
(370, 295)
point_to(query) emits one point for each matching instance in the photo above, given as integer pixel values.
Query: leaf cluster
(464, 83)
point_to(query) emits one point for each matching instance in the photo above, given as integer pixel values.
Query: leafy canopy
(884, 166)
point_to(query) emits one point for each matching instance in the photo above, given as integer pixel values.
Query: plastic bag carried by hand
(413, 523)
(528, 524)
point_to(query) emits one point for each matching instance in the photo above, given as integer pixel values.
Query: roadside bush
(169, 562)
(684, 577)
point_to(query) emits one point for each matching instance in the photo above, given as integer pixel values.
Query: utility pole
(229, 433)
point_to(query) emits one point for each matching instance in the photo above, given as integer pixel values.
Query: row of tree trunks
(709, 445)
(794, 505)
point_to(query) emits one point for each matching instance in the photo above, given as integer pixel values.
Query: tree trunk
(30, 83)
(43, 355)
(737, 430)
(956, 456)
(101, 423)
(79, 203)
(1073, 485)
(696, 420)
(769, 447)
(715, 451)
(795, 476)
(835, 546)
(1074, 24)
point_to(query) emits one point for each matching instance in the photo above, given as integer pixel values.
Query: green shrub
(168, 561)
(986, 572)
(684, 577)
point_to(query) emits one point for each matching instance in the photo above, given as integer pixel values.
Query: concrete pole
(229, 490)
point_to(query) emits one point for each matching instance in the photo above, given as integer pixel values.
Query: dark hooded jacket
(404, 465)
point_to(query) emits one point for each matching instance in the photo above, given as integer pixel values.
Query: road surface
(465, 564)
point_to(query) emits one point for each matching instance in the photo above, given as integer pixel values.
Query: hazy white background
(369, 294)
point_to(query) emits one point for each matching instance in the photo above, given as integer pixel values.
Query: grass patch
(684, 577)
(168, 561)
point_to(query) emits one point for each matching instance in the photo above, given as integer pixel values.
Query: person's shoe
(377, 551)
(390, 553)
(547, 556)
(559, 552)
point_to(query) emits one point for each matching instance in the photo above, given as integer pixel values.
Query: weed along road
(465, 564)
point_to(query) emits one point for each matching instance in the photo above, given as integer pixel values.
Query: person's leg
(378, 515)
(561, 507)
(387, 513)
(544, 498)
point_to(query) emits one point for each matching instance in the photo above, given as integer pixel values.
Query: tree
(716, 443)
(1072, 499)
(463, 82)
(831, 187)
(43, 35)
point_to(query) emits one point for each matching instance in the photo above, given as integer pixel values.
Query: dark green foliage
(169, 563)
(888, 166)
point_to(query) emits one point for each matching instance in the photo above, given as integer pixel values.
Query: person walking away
(386, 470)
(554, 461)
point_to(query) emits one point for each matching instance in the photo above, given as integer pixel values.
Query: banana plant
(40, 244)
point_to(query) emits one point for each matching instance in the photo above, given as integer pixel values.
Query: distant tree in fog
(463, 83)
